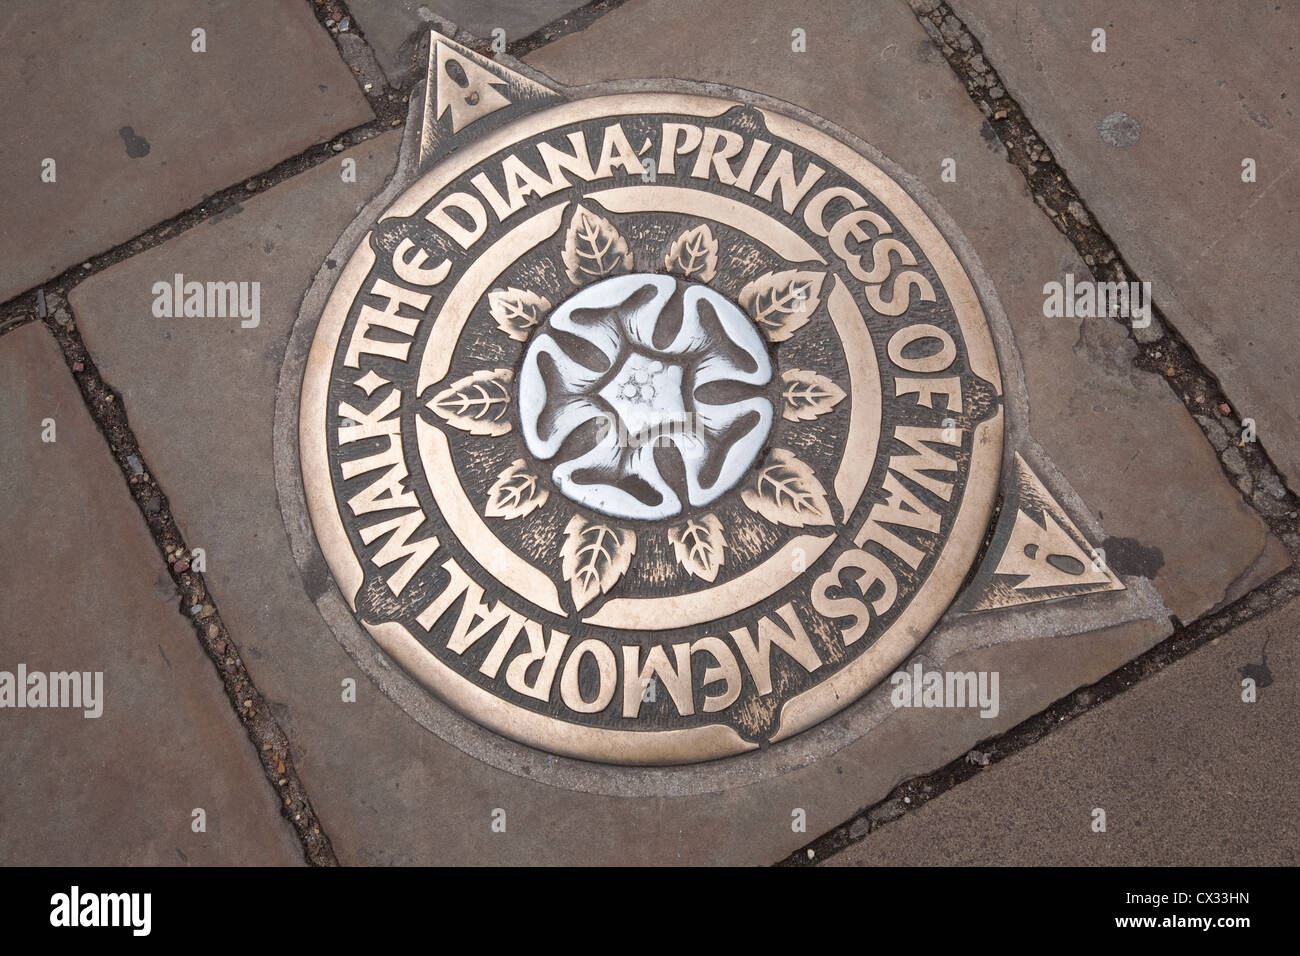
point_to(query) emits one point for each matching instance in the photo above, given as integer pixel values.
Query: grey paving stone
(141, 127)
(1187, 773)
(393, 28)
(1208, 87)
(1119, 435)
(86, 590)
(201, 398)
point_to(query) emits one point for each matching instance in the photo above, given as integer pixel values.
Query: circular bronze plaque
(651, 428)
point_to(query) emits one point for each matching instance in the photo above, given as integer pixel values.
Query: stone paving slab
(1208, 88)
(1118, 434)
(201, 399)
(141, 127)
(85, 589)
(394, 28)
(1188, 774)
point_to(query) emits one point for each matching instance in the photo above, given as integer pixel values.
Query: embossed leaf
(517, 310)
(477, 403)
(515, 493)
(593, 247)
(782, 302)
(787, 492)
(694, 254)
(699, 546)
(594, 556)
(808, 394)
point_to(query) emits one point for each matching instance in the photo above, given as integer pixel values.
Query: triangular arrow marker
(1030, 552)
(465, 88)
(466, 91)
(1037, 553)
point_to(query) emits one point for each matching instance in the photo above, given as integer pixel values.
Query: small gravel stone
(1234, 462)
(1272, 486)
(1215, 432)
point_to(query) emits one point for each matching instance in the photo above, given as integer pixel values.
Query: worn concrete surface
(1119, 435)
(393, 28)
(201, 397)
(1186, 771)
(141, 127)
(84, 588)
(1207, 89)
